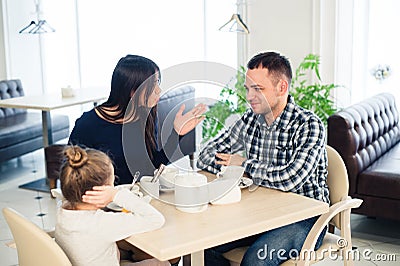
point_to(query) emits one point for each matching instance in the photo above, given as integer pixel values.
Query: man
(284, 147)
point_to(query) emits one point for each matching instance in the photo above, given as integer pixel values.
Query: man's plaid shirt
(288, 155)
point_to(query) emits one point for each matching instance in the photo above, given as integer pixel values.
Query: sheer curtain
(366, 39)
(168, 32)
(92, 35)
(383, 47)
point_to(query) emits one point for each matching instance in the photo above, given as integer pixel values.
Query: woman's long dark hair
(133, 75)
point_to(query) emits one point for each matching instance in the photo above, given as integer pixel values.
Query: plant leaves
(316, 97)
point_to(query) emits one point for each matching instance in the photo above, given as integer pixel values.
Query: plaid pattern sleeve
(229, 141)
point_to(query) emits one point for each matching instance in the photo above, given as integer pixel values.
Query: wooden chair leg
(331, 229)
(186, 260)
(53, 158)
(52, 183)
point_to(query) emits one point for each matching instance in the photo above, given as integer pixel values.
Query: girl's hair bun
(76, 156)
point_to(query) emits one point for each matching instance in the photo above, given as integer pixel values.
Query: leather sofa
(367, 136)
(21, 130)
(167, 108)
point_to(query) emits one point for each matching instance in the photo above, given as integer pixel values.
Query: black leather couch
(367, 136)
(21, 130)
(168, 106)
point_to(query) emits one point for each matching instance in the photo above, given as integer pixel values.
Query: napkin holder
(224, 191)
(67, 92)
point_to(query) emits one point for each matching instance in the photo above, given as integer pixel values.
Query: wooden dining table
(260, 209)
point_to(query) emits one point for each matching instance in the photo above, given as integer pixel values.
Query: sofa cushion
(10, 89)
(21, 127)
(382, 178)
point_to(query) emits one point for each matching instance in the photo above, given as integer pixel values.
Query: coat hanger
(29, 27)
(235, 24)
(37, 27)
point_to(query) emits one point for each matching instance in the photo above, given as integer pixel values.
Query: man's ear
(283, 86)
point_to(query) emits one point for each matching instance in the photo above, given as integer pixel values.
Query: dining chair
(54, 158)
(34, 246)
(338, 216)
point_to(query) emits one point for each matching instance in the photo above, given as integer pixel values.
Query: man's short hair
(277, 65)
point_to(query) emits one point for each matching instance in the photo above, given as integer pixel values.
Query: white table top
(48, 102)
(258, 211)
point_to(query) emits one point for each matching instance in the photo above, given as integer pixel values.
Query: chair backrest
(34, 246)
(338, 185)
(338, 181)
(54, 158)
(168, 106)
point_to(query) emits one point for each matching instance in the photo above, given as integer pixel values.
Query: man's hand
(100, 195)
(229, 159)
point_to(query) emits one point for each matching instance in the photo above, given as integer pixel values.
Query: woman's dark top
(94, 132)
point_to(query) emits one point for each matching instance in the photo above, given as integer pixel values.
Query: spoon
(158, 173)
(135, 177)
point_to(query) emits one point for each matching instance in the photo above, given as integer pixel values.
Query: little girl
(86, 233)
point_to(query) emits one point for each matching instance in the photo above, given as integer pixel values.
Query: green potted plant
(231, 101)
(315, 96)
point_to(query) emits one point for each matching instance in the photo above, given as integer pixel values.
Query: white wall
(3, 72)
(22, 52)
(22, 56)
(285, 26)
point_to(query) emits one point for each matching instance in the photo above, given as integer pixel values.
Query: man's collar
(281, 121)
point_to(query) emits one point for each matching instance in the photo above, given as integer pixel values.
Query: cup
(150, 188)
(167, 178)
(191, 192)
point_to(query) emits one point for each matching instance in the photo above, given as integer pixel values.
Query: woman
(125, 125)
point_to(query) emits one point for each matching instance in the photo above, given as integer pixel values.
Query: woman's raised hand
(185, 123)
